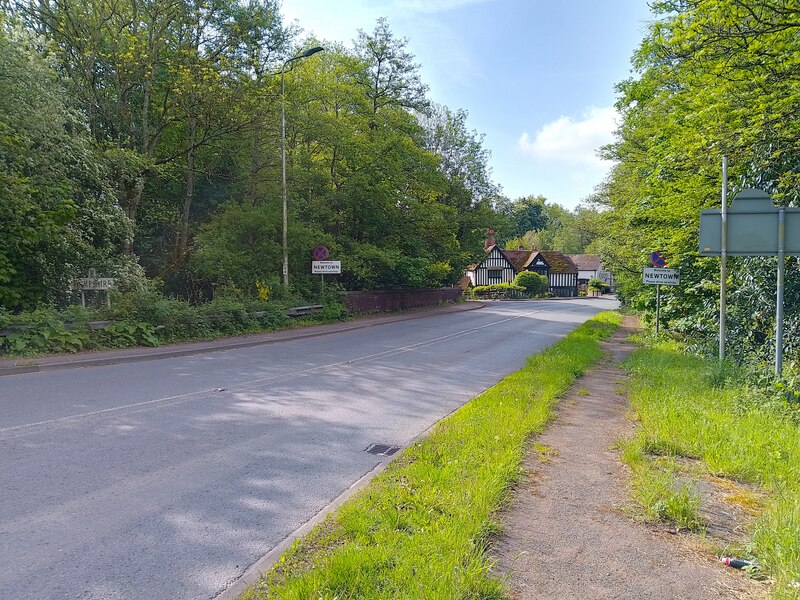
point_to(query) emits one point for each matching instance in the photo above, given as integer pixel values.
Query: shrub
(40, 331)
(273, 316)
(498, 290)
(125, 334)
(173, 319)
(596, 285)
(229, 316)
(533, 283)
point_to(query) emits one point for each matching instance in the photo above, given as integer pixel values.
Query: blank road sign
(752, 227)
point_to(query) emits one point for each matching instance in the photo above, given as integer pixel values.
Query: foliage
(151, 138)
(145, 317)
(534, 284)
(548, 226)
(712, 79)
(527, 214)
(439, 498)
(173, 319)
(57, 211)
(498, 290)
(125, 334)
(596, 284)
(41, 331)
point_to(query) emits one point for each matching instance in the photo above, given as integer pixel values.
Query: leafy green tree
(712, 78)
(141, 70)
(390, 78)
(57, 211)
(529, 214)
(469, 188)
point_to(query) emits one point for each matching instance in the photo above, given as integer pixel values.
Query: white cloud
(573, 141)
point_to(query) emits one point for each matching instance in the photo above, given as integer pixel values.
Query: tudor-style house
(501, 266)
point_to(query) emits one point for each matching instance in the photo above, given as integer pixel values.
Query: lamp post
(305, 54)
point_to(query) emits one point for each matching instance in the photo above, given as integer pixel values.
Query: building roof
(586, 262)
(519, 258)
(559, 263)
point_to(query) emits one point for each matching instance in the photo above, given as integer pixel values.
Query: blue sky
(536, 76)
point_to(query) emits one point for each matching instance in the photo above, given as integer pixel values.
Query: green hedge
(498, 290)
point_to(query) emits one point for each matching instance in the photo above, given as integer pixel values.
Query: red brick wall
(384, 300)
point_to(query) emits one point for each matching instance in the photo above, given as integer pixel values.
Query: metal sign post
(658, 306)
(754, 227)
(723, 259)
(779, 309)
(320, 253)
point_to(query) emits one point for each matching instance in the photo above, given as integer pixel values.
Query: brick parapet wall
(386, 300)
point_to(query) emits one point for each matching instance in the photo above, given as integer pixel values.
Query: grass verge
(420, 529)
(686, 410)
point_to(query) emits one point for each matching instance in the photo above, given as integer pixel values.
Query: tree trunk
(131, 197)
(183, 235)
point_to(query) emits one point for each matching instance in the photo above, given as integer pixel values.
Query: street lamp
(305, 54)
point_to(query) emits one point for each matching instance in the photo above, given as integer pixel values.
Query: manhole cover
(382, 449)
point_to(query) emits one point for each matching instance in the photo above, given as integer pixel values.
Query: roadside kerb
(17, 366)
(253, 573)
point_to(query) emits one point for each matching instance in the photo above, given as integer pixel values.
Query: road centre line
(185, 397)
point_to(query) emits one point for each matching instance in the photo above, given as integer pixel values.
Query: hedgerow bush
(174, 319)
(534, 283)
(498, 290)
(40, 331)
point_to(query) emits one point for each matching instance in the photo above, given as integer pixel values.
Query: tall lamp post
(305, 54)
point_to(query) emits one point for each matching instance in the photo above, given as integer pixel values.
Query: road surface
(168, 478)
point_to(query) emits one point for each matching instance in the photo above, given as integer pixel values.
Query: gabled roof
(586, 262)
(559, 263)
(519, 258)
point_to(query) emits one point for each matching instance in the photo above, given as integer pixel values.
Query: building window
(495, 275)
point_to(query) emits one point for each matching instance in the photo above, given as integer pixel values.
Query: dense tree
(548, 226)
(528, 214)
(713, 78)
(391, 78)
(141, 69)
(181, 103)
(57, 212)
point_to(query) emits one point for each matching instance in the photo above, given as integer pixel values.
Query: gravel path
(565, 535)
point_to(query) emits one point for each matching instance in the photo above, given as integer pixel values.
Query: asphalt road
(168, 478)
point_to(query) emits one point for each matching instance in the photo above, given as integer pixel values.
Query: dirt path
(565, 535)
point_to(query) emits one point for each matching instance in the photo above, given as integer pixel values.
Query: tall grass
(420, 529)
(686, 408)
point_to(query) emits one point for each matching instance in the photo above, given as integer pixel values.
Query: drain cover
(382, 449)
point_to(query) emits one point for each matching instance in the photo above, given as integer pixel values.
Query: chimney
(520, 247)
(490, 241)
